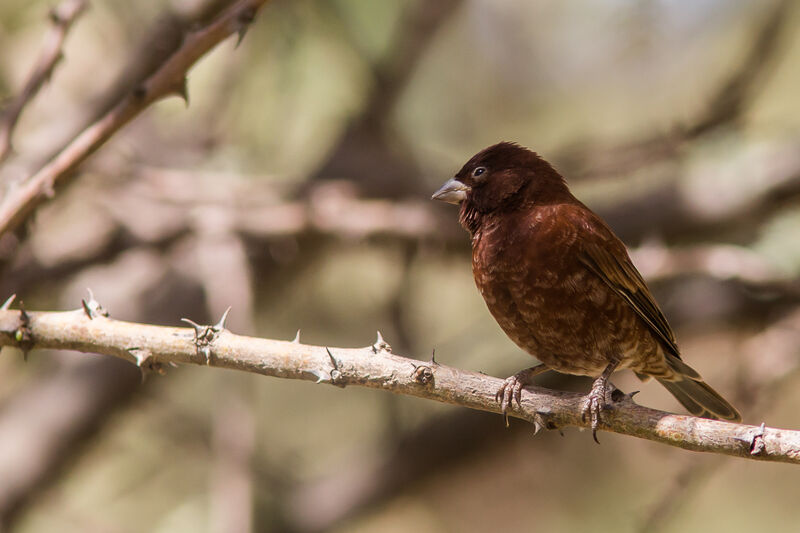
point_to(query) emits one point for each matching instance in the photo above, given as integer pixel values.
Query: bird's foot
(594, 404)
(511, 389)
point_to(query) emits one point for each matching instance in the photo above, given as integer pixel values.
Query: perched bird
(561, 284)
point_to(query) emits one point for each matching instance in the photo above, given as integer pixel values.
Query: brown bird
(561, 284)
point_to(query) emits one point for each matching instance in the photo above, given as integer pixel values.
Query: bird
(562, 286)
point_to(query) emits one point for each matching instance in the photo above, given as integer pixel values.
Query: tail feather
(700, 399)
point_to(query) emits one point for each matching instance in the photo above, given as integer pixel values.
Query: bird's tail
(699, 398)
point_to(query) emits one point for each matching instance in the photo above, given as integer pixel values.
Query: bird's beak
(452, 192)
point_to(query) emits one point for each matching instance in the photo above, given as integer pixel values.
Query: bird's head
(503, 177)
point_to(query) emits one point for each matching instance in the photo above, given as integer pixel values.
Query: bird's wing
(618, 272)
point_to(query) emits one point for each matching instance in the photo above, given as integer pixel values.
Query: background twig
(62, 16)
(169, 79)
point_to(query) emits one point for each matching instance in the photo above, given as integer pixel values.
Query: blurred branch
(169, 79)
(725, 106)
(720, 262)
(258, 210)
(667, 210)
(671, 212)
(160, 207)
(730, 101)
(62, 16)
(366, 153)
(152, 347)
(162, 39)
(681, 490)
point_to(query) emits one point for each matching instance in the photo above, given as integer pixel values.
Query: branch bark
(153, 347)
(169, 79)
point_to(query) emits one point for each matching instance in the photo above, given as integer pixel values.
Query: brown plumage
(561, 284)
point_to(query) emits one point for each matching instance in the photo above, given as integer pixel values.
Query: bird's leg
(595, 401)
(511, 389)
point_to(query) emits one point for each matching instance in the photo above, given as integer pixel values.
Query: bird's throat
(470, 218)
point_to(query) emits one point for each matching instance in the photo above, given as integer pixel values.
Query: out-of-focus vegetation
(330, 104)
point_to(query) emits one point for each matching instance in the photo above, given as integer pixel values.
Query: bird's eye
(478, 171)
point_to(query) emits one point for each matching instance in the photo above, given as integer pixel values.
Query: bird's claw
(509, 392)
(593, 406)
(511, 389)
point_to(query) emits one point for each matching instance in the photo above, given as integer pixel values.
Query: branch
(168, 80)
(731, 99)
(367, 151)
(725, 106)
(62, 17)
(152, 347)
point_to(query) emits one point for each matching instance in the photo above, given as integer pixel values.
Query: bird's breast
(549, 303)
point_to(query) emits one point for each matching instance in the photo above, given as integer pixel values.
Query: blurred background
(295, 189)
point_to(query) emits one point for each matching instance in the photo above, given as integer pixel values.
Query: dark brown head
(501, 178)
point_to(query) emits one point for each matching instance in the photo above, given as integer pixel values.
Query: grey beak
(452, 192)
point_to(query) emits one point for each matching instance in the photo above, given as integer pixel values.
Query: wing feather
(618, 272)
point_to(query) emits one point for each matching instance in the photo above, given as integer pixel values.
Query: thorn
(243, 22)
(381, 345)
(537, 427)
(241, 33)
(139, 357)
(7, 304)
(181, 90)
(86, 309)
(145, 363)
(48, 189)
(321, 378)
(205, 335)
(296, 339)
(206, 352)
(433, 357)
(757, 445)
(23, 334)
(619, 396)
(333, 360)
(336, 373)
(197, 327)
(92, 307)
(219, 326)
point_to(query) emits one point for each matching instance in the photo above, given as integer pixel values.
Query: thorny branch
(62, 17)
(376, 367)
(169, 79)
